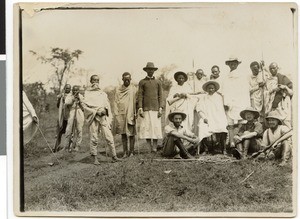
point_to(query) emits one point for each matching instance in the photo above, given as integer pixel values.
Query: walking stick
(137, 138)
(263, 113)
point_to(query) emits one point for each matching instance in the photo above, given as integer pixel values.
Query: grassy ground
(142, 184)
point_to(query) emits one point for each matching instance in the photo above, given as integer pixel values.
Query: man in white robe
(125, 112)
(235, 90)
(98, 116)
(75, 119)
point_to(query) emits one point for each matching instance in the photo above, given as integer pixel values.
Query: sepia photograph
(155, 109)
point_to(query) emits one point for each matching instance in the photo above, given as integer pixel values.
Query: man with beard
(175, 134)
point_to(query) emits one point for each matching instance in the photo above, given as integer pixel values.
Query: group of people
(226, 112)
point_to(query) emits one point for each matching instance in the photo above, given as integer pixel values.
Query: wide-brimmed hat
(216, 84)
(202, 73)
(232, 59)
(150, 65)
(176, 112)
(249, 109)
(274, 115)
(180, 73)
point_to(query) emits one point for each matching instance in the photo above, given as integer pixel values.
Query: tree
(61, 60)
(163, 76)
(36, 93)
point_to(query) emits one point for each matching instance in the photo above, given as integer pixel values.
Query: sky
(185, 39)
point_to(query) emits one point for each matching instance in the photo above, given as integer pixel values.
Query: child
(249, 136)
(213, 121)
(175, 134)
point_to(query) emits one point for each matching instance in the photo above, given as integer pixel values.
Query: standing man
(283, 93)
(215, 76)
(235, 90)
(125, 112)
(76, 117)
(199, 81)
(256, 84)
(215, 73)
(150, 107)
(98, 116)
(63, 115)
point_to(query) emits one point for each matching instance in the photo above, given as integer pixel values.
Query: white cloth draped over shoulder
(211, 107)
(96, 100)
(271, 84)
(29, 126)
(125, 108)
(235, 89)
(185, 105)
(256, 97)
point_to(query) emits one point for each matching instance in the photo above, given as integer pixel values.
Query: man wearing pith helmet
(275, 131)
(235, 90)
(248, 139)
(175, 133)
(150, 105)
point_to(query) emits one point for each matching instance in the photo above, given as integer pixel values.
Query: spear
(263, 95)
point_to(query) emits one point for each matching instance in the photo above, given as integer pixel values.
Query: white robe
(211, 107)
(186, 105)
(235, 89)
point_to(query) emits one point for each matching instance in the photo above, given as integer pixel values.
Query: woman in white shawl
(213, 121)
(179, 99)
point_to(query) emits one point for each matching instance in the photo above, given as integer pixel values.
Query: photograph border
(18, 194)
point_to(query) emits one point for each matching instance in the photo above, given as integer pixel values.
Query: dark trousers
(172, 146)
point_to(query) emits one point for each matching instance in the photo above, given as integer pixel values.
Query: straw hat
(180, 73)
(249, 109)
(205, 85)
(232, 59)
(176, 112)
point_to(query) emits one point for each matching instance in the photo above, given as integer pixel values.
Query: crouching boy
(280, 133)
(175, 134)
(248, 139)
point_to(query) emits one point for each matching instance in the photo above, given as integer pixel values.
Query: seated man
(280, 133)
(249, 136)
(175, 133)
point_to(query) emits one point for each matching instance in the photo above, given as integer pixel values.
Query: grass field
(142, 184)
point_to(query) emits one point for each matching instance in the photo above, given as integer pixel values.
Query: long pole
(263, 113)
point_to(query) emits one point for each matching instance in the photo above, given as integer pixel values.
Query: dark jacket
(150, 94)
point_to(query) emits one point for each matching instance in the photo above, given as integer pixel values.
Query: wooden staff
(263, 113)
